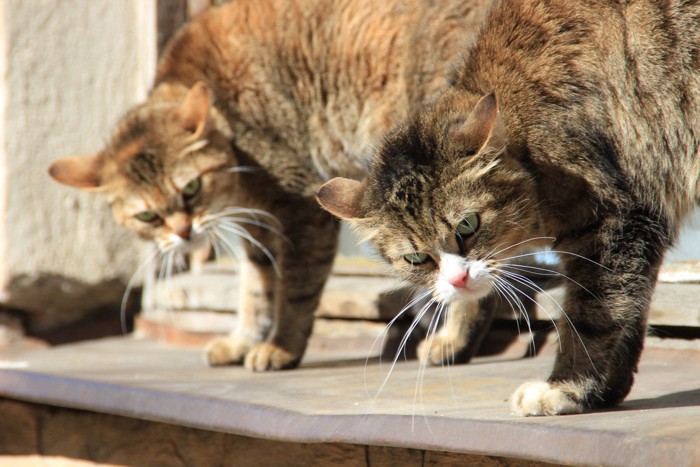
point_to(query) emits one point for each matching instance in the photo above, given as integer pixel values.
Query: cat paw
(442, 351)
(226, 351)
(267, 356)
(540, 398)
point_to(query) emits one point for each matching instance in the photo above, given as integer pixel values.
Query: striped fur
(262, 101)
(599, 107)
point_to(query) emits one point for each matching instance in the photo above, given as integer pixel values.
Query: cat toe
(541, 398)
(268, 356)
(225, 351)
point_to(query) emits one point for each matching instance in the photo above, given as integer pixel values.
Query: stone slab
(454, 409)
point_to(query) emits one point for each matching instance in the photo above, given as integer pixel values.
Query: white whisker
(235, 250)
(560, 253)
(504, 289)
(242, 220)
(237, 211)
(242, 232)
(244, 169)
(548, 272)
(130, 285)
(404, 341)
(535, 288)
(214, 242)
(385, 332)
(534, 239)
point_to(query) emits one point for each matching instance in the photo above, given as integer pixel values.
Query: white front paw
(540, 398)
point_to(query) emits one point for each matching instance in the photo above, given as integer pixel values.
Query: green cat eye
(146, 216)
(469, 225)
(416, 258)
(192, 188)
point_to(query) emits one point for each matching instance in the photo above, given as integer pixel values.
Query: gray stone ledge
(457, 409)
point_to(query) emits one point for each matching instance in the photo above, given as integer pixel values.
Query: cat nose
(459, 280)
(181, 225)
(184, 232)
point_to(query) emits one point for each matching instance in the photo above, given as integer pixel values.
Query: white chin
(473, 294)
(184, 246)
(450, 293)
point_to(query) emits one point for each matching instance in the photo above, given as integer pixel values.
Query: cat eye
(469, 225)
(416, 259)
(192, 188)
(147, 216)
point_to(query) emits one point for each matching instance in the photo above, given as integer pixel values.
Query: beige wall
(70, 69)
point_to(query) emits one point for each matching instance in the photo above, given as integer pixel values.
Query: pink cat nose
(180, 224)
(459, 280)
(184, 231)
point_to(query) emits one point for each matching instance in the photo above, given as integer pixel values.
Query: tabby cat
(255, 104)
(572, 125)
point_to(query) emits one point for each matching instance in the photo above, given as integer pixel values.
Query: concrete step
(367, 402)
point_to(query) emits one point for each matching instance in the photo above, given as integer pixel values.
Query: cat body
(574, 126)
(255, 104)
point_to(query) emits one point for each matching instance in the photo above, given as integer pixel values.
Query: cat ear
(83, 172)
(341, 197)
(193, 112)
(484, 126)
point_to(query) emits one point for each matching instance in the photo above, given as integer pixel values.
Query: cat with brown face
(570, 125)
(255, 105)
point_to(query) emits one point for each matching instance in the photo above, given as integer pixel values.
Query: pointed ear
(193, 112)
(83, 172)
(341, 197)
(484, 126)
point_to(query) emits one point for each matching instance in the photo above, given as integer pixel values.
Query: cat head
(164, 170)
(445, 203)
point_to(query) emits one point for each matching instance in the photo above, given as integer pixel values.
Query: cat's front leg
(258, 283)
(461, 335)
(601, 333)
(307, 261)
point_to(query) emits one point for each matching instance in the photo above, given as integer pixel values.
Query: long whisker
(403, 310)
(504, 289)
(169, 267)
(548, 272)
(235, 250)
(492, 254)
(244, 169)
(418, 393)
(214, 242)
(236, 211)
(404, 341)
(433, 325)
(130, 285)
(242, 232)
(515, 290)
(535, 288)
(180, 262)
(242, 220)
(523, 255)
(385, 332)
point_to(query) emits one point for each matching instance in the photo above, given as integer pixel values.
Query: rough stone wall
(70, 69)
(40, 435)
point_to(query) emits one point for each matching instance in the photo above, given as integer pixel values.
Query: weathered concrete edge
(514, 438)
